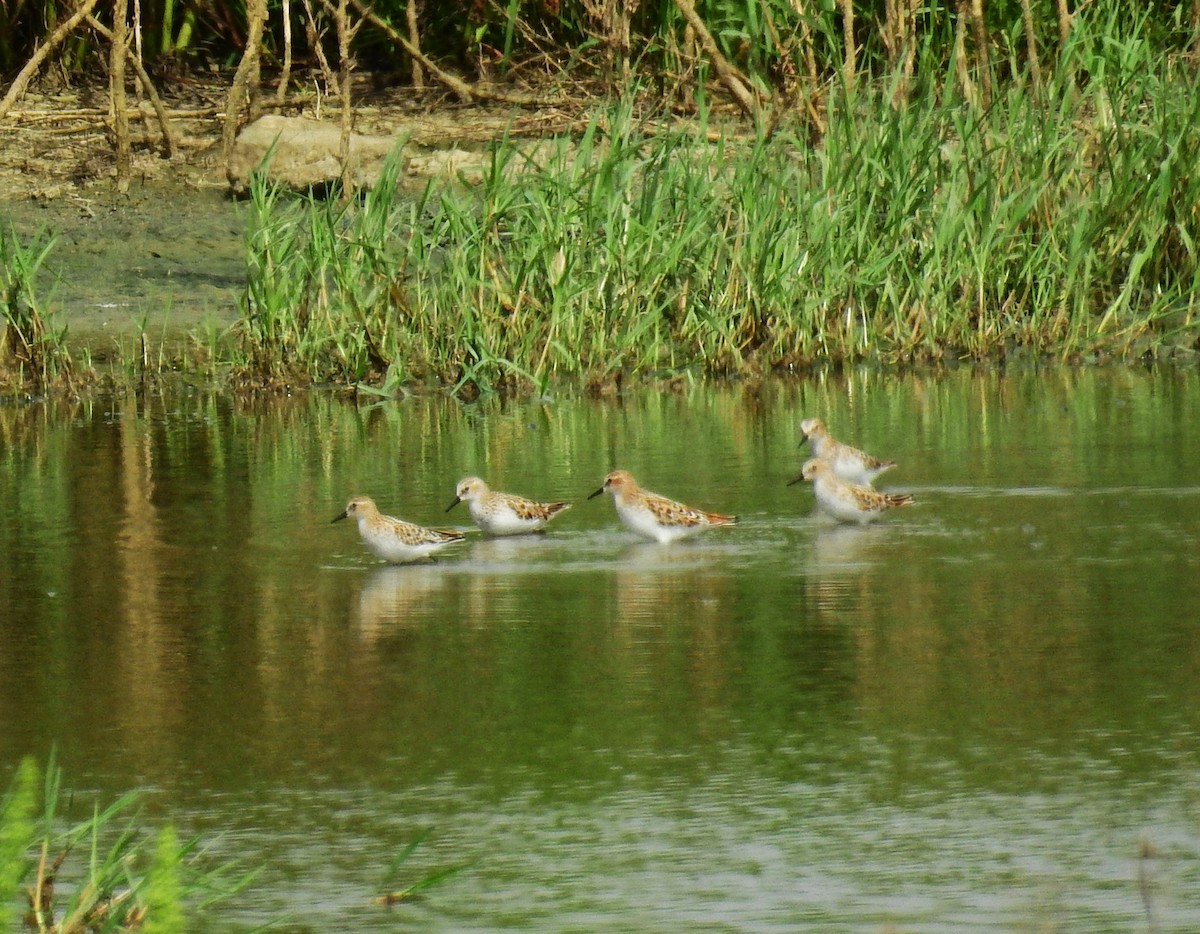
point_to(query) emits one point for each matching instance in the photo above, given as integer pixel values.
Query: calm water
(977, 715)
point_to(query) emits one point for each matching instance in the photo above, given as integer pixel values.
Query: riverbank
(165, 258)
(1059, 225)
(161, 256)
(164, 255)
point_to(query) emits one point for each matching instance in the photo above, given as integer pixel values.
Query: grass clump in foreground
(32, 354)
(1062, 222)
(98, 874)
(104, 874)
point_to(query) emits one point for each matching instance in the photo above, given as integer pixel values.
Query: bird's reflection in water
(395, 596)
(517, 550)
(838, 547)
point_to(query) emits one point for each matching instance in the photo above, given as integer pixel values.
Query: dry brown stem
(737, 84)
(285, 70)
(116, 83)
(960, 54)
(462, 90)
(315, 37)
(850, 65)
(612, 19)
(244, 77)
(345, 35)
(160, 110)
(811, 77)
(1031, 47)
(75, 113)
(414, 36)
(1064, 23)
(981, 50)
(346, 31)
(899, 40)
(17, 88)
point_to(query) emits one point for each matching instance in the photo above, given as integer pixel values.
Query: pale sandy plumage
(654, 516)
(503, 513)
(849, 463)
(395, 540)
(846, 501)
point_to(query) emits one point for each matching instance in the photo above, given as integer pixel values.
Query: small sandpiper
(503, 513)
(654, 516)
(848, 463)
(846, 501)
(395, 540)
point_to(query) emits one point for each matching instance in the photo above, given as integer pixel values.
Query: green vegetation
(777, 46)
(121, 878)
(98, 874)
(967, 205)
(32, 354)
(393, 895)
(1062, 222)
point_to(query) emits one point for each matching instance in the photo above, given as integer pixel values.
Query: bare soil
(163, 250)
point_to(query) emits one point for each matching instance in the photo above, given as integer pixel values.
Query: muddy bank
(165, 256)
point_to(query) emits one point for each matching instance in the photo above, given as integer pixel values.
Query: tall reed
(1060, 221)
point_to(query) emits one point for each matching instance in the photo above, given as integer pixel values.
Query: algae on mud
(164, 258)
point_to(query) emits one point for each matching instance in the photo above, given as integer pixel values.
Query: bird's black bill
(338, 518)
(453, 504)
(597, 493)
(797, 480)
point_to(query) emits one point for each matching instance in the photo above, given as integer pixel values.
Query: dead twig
(899, 40)
(346, 31)
(315, 42)
(979, 27)
(414, 36)
(736, 82)
(80, 113)
(116, 87)
(1064, 23)
(463, 90)
(245, 76)
(160, 110)
(850, 65)
(1031, 47)
(808, 86)
(17, 88)
(285, 70)
(961, 68)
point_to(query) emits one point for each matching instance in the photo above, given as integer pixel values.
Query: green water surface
(983, 713)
